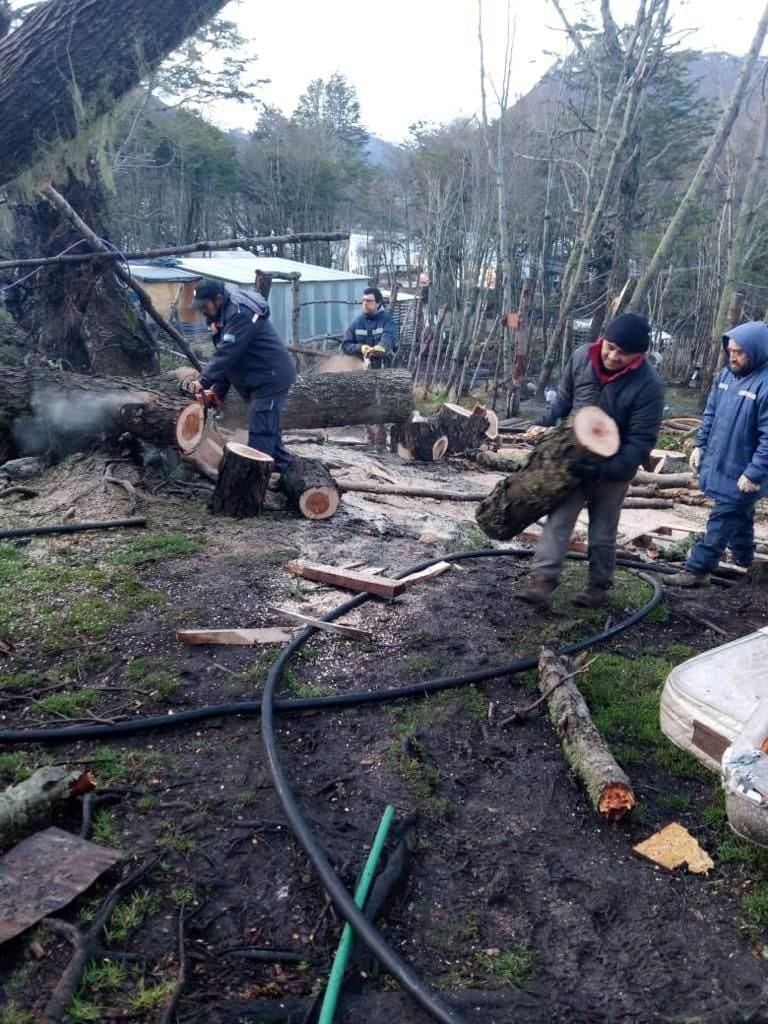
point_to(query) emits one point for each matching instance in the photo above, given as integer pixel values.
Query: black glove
(587, 469)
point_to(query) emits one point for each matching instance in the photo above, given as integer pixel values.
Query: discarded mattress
(716, 707)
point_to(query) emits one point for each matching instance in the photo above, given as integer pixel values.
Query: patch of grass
(19, 680)
(151, 548)
(456, 933)
(149, 997)
(17, 765)
(158, 675)
(104, 831)
(82, 1010)
(69, 702)
(512, 967)
(183, 896)
(623, 695)
(755, 904)
(678, 652)
(129, 914)
(423, 664)
(12, 1013)
(113, 765)
(104, 976)
(181, 843)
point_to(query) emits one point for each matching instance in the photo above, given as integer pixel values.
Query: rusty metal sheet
(44, 873)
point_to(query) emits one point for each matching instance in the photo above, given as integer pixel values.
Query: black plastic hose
(71, 733)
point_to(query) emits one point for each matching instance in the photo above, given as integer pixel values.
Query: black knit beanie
(630, 331)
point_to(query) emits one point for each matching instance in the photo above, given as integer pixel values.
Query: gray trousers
(603, 501)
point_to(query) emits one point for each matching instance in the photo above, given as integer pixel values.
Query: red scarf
(605, 376)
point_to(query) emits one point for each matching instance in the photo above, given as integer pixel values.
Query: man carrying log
(372, 337)
(613, 374)
(251, 356)
(731, 454)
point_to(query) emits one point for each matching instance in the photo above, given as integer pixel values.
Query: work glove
(747, 486)
(377, 351)
(587, 469)
(695, 460)
(365, 351)
(190, 387)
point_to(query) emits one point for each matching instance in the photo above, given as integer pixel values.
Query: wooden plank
(427, 574)
(381, 586)
(236, 637)
(351, 632)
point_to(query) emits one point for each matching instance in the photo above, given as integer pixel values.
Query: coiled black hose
(72, 733)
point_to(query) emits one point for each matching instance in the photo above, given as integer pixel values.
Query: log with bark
(547, 478)
(642, 476)
(451, 430)
(28, 804)
(310, 488)
(607, 785)
(242, 481)
(44, 404)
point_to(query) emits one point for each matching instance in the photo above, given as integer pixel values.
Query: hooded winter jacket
(633, 398)
(379, 329)
(250, 354)
(734, 429)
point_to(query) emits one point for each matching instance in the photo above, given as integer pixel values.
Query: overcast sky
(419, 61)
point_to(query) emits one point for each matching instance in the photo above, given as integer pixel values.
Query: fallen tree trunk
(647, 503)
(310, 488)
(642, 476)
(242, 481)
(76, 410)
(347, 399)
(607, 785)
(508, 461)
(28, 804)
(546, 479)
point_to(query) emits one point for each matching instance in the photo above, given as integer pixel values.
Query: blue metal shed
(329, 299)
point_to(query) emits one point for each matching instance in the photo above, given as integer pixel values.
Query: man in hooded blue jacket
(731, 454)
(250, 355)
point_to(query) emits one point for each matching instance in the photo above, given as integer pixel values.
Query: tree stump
(421, 440)
(310, 488)
(585, 749)
(541, 484)
(242, 481)
(465, 429)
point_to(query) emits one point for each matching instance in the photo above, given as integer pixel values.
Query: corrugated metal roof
(240, 268)
(148, 272)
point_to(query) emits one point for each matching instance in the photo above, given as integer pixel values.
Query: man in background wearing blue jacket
(372, 337)
(251, 357)
(731, 454)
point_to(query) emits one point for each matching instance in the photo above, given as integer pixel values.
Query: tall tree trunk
(71, 61)
(705, 168)
(77, 315)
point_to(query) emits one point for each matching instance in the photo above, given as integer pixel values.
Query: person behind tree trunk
(251, 357)
(372, 337)
(731, 454)
(614, 374)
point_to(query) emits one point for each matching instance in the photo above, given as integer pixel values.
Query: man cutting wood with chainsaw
(372, 337)
(251, 357)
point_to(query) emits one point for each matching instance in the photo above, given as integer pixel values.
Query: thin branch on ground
(522, 713)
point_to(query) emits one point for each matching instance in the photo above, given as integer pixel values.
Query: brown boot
(538, 592)
(591, 597)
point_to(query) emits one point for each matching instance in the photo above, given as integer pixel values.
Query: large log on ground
(607, 785)
(347, 399)
(420, 440)
(310, 488)
(242, 481)
(539, 486)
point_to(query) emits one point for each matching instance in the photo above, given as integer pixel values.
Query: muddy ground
(518, 903)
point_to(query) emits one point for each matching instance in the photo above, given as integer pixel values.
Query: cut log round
(585, 749)
(242, 481)
(189, 427)
(310, 488)
(493, 425)
(540, 485)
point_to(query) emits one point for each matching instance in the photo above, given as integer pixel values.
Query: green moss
(155, 547)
